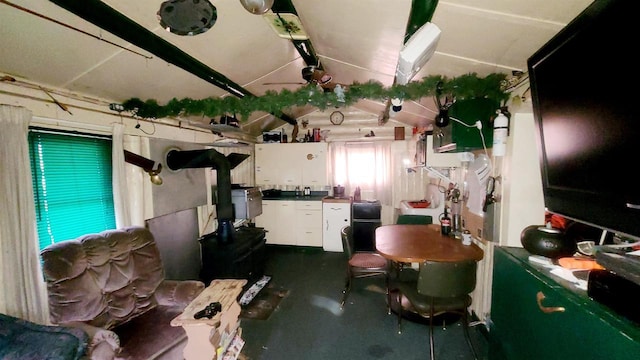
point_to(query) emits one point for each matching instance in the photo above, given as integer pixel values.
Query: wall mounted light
(396, 104)
(257, 7)
(146, 165)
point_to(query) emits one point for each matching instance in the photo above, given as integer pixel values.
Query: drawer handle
(547, 309)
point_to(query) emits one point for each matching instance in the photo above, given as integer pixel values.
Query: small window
(72, 186)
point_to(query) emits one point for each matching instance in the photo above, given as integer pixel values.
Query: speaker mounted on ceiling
(187, 17)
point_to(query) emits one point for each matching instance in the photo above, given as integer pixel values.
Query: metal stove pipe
(177, 159)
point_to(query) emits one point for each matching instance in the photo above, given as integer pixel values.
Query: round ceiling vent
(187, 17)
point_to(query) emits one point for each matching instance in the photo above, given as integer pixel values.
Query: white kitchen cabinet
(299, 164)
(335, 216)
(313, 160)
(308, 223)
(277, 218)
(292, 222)
(275, 165)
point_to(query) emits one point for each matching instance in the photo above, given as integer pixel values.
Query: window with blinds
(71, 174)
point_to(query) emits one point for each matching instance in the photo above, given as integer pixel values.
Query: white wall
(92, 115)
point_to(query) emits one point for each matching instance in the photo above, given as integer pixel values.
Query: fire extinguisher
(500, 133)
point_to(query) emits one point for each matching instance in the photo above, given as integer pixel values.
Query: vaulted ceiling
(118, 50)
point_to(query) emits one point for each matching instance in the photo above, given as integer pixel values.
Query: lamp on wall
(146, 165)
(257, 7)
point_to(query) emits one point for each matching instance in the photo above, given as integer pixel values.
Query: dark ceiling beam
(107, 18)
(421, 13)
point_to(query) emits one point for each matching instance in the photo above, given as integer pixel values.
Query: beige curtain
(362, 164)
(119, 178)
(24, 292)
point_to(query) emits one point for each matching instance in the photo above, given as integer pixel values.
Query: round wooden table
(418, 243)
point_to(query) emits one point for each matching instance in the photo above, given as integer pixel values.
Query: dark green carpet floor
(308, 324)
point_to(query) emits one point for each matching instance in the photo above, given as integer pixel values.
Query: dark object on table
(442, 287)
(209, 311)
(616, 292)
(547, 241)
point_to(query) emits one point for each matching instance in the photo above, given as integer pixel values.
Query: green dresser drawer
(520, 329)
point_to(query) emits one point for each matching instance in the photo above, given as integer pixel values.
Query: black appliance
(243, 258)
(247, 202)
(229, 252)
(616, 292)
(587, 129)
(365, 218)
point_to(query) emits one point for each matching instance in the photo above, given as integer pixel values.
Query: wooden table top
(418, 243)
(225, 291)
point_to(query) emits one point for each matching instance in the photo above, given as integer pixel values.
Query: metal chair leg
(386, 277)
(345, 292)
(399, 299)
(432, 349)
(465, 323)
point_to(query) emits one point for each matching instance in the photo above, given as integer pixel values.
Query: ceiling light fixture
(257, 7)
(187, 17)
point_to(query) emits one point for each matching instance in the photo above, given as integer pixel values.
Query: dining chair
(362, 264)
(441, 287)
(414, 219)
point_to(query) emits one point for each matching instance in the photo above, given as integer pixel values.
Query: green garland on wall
(465, 86)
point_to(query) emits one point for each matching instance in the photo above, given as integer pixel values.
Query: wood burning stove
(243, 258)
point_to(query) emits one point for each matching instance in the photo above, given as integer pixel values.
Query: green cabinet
(535, 315)
(467, 137)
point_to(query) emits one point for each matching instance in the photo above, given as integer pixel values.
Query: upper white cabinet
(300, 164)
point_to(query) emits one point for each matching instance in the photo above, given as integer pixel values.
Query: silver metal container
(247, 202)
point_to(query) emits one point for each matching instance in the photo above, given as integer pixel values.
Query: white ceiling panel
(355, 40)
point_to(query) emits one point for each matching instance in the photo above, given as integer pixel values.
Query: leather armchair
(112, 286)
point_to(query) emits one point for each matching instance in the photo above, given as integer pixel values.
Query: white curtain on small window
(363, 164)
(24, 292)
(119, 178)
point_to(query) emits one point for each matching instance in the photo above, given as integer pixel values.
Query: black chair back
(447, 279)
(347, 241)
(410, 219)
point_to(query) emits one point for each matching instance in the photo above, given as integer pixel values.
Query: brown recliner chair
(112, 286)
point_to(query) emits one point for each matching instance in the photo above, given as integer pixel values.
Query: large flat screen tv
(586, 103)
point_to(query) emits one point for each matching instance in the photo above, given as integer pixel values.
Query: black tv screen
(586, 105)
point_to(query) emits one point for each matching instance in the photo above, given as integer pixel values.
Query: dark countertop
(291, 195)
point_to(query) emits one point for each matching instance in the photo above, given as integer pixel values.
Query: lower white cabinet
(309, 223)
(277, 219)
(335, 216)
(292, 222)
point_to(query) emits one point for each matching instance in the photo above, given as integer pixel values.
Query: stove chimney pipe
(177, 159)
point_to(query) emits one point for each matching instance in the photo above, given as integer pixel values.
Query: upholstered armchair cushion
(178, 293)
(104, 279)
(114, 281)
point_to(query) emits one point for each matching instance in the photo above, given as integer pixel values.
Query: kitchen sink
(433, 204)
(415, 207)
